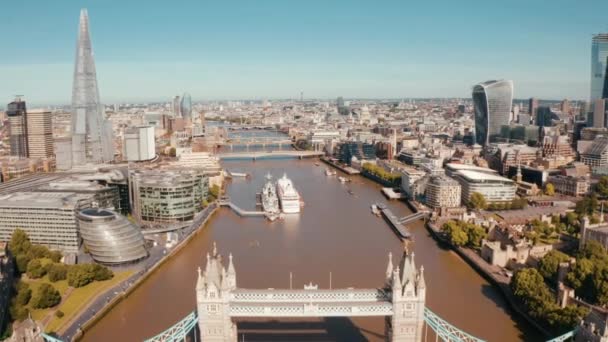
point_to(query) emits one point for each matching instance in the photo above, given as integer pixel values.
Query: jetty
(401, 231)
(241, 212)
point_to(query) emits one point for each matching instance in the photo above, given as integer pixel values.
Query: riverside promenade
(103, 302)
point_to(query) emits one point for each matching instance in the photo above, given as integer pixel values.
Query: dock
(346, 169)
(391, 194)
(394, 222)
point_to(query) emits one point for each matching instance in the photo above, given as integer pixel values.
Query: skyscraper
(599, 113)
(532, 106)
(17, 120)
(605, 92)
(599, 53)
(544, 116)
(185, 106)
(175, 106)
(564, 106)
(492, 103)
(39, 133)
(91, 132)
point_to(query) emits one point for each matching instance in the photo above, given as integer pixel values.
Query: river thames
(336, 233)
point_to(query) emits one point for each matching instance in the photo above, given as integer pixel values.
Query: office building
(167, 195)
(91, 132)
(596, 155)
(564, 106)
(599, 113)
(40, 134)
(524, 119)
(494, 188)
(356, 149)
(176, 106)
(492, 103)
(139, 143)
(544, 116)
(412, 181)
(17, 120)
(599, 56)
(532, 106)
(605, 91)
(47, 218)
(442, 192)
(570, 186)
(110, 237)
(185, 107)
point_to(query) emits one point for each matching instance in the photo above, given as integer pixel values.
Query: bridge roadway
(270, 155)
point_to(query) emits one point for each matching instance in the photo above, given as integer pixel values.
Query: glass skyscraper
(185, 107)
(91, 132)
(599, 54)
(492, 102)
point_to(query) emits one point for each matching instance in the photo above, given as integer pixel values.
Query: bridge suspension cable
(445, 330)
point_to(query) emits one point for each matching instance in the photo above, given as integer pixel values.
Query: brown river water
(336, 233)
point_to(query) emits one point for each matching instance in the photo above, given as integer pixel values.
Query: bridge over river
(269, 155)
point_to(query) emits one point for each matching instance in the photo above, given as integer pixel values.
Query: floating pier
(393, 221)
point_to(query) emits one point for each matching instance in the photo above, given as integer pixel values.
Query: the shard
(91, 132)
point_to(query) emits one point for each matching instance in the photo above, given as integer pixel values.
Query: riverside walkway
(241, 212)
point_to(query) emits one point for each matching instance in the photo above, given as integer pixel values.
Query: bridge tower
(213, 289)
(408, 294)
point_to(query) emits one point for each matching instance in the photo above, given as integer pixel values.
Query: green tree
(78, 276)
(549, 189)
(101, 272)
(22, 260)
(46, 297)
(475, 234)
(35, 269)
(57, 272)
(24, 293)
(214, 192)
(20, 242)
(456, 234)
(549, 264)
(477, 201)
(602, 186)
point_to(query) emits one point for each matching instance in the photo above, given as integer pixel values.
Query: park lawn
(61, 286)
(80, 297)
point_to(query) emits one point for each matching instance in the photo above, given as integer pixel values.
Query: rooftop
(42, 200)
(457, 167)
(483, 177)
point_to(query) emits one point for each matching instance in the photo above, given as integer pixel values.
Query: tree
(602, 186)
(475, 235)
(24, 293)
(455, 233)
(57, 272)
(172, 152)
(46, 297)
(578, 277)
(20, 242)
(22, 260)
(35, 269)
(477, 201)
(101, 272)
(214, 192)
(78, 276)
(549, 264)
(549, 189)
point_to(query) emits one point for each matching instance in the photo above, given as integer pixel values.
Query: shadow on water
(533, 334)
(329, 329)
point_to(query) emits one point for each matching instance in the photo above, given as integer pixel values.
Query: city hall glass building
(492, 102)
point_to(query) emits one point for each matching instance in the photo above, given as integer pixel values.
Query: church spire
(389, 267)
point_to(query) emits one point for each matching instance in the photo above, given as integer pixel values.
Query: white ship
(289, 198)
(270, 200)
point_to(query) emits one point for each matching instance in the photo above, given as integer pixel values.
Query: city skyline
(215, 52)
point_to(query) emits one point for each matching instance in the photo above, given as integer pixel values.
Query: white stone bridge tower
(213, 289)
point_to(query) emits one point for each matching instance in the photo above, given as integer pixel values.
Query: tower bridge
(401, 299)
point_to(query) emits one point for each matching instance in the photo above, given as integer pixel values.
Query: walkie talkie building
(492, 101)
(91, 132)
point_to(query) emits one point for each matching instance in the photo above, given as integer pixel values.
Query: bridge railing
(177, 332)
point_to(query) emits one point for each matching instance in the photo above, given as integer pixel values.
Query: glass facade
(492, 104)
(185, 107)
(599, 54)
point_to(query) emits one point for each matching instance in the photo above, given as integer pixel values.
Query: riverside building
(167, 195)
(47, 218)
(493, 187)
(443, 192)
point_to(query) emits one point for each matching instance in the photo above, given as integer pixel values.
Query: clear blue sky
(151, 50)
